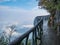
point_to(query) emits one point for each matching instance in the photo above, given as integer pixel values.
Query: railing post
(27, 40)
(36, 36)
(33, 38)
(41, 31)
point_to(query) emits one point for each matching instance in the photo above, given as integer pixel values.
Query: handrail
(35, 37)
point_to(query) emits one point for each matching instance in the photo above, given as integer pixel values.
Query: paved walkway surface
(49, 36)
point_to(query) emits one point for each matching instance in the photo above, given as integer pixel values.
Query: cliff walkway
(49, 36)
(41, 35)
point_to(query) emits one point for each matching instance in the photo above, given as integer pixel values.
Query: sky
(14, 10)
(20, 12)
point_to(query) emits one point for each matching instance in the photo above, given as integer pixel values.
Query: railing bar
(35, 36)
(38, 31)
(27, 40)
(18, 40)
(41, 29)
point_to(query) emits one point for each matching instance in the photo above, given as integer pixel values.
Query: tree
(52, 6)
(3, 39)
(11, 30)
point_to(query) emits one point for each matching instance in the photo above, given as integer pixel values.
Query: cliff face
(38, 18)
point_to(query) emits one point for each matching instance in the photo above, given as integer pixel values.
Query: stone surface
(49, 36)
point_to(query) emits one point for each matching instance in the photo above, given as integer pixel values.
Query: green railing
(36, 32)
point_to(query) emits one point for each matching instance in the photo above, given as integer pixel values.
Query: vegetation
(28, 43)
(12, 29)
(52, 6)
(3, 39)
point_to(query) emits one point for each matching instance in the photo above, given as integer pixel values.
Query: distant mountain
(19, 30)
(22, 30)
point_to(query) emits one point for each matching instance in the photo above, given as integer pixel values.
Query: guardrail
(36, 31)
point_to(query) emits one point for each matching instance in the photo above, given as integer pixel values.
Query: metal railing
(36, 31)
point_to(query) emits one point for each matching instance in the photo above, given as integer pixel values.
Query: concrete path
(49, 36)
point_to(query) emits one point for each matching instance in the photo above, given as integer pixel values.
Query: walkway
(49, 36)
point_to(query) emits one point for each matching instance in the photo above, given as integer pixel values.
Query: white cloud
(39, 12)
(20, 15)
(16, 34)
(13, 9)
(7, 32)
(16, 9)
(13, 23)
(6, 0)
(15, 15)
(28, 26)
